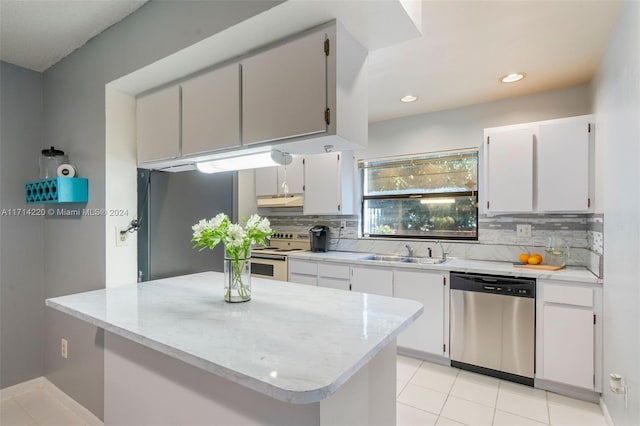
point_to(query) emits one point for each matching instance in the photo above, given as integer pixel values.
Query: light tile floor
(428, 394)
(431, 394)
(37, 407)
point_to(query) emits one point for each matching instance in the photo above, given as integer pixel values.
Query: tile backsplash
(497, 238)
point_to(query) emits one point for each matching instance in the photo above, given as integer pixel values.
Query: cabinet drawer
(333, 283)
(568, 295)
(332, 270)
(306, 267)
(303, 279)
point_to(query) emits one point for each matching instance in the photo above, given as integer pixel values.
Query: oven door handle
(268, 256)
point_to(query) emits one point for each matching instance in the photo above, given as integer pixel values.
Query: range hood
(293, 200)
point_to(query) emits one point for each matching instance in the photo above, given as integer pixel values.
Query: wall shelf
(57, 190)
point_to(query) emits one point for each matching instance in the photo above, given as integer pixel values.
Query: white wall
(617, 108)
(121, 192)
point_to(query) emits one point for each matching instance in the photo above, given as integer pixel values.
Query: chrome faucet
(444, 253)
(409, 249)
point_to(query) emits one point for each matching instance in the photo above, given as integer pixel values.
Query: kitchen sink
(405, 259)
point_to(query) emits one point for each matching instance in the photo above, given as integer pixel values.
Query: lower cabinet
(429, 333)
(372, 280)
(568, 334)
(333, 275)
(303, 271)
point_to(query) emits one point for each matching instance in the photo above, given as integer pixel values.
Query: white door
(510, 171)
(293, 176)
(372, 280)
(211, 111)
(563, 166)
(284, 91)
(266, 181)
(158, 125)
(568, 345)
(427, 333)
(322, 192)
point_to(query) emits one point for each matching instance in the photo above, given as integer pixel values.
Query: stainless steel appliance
(272, 262)
(319, 236)
(492, 329)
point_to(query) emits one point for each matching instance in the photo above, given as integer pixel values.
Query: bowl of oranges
(530, 259)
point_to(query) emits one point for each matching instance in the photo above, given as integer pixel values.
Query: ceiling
(465, 47)
(36, 34)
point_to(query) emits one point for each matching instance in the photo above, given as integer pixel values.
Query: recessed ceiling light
(408, 98)
(513, 77)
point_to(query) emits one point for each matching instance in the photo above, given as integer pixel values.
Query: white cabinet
(544, 166)
(372, 280)
(509, 160)
(334, 275)
(211, 111)
(158, 125)
(284, 91)
(303, 271)
(270, 180)
(429, 333)
(328, 184)
(568, 337)
(563, 160)
(309, 87)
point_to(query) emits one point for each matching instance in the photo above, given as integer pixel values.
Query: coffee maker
(319, 238)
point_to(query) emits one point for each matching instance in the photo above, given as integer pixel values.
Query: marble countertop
(295, 343)
(570, 273)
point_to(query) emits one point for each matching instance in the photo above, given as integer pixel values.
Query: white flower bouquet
(237, 243)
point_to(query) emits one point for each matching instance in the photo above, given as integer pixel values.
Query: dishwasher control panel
(494, 284)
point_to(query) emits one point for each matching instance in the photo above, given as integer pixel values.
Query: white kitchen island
(177, 354)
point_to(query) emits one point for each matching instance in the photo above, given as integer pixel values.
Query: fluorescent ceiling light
(408, 98)
(242, 162)
(438, 201)
(513, 77)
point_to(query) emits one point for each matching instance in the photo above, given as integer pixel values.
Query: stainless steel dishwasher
(492, 328)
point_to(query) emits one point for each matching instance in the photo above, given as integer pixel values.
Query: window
(423, 196)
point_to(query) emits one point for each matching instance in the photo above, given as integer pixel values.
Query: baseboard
(605, 412)
(436, 359)
(89, 418)
(20, 388)
(567, 390)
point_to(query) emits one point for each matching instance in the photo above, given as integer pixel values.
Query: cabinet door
(568, 345)
(284, 91)
(266, 181)
(510, 171)
(426, 334)
(322, 184)
(372, 280)
(211, 111)
(563, 166)
(158, 125)
(293, 175)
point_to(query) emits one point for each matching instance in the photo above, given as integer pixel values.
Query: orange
(539, 256)
(523, 258)
(534, 260)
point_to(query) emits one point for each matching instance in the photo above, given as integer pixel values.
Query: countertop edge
(356, 258)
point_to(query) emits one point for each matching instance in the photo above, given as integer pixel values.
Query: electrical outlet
(63, 348)
(121, 239)
(523, 231)
(343, 224)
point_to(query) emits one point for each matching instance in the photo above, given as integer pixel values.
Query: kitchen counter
(570, 273)
(297, 344)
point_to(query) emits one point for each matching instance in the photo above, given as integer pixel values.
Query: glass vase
(237, 279)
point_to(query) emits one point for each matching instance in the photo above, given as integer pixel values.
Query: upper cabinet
(509, 162)
(284, 91)
(328, 183)
(541, 167)
(304, 95)
(211, 111)
(158, 125)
